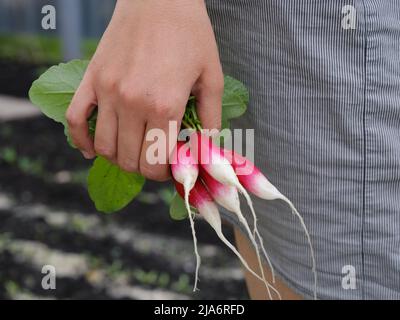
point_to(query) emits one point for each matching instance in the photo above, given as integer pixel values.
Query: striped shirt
(324, 81)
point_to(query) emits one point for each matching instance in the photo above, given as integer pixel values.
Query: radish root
(187, 189)
(214, 220)
(296, 213)
(255, 230)
(253, 241)
(249, 203)
(261, 241)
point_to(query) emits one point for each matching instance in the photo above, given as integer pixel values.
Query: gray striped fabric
(325, 105)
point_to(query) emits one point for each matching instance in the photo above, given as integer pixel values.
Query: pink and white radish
(212, 159)
(200, 198)
(227, 197)
(254, 180)
(185, 171)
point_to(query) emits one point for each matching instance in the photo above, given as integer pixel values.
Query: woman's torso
(325, 106)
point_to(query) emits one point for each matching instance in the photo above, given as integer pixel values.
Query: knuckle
(73, 119)
(155, 173)
(164, 108)
(104, 150)
(128, 95)
(108, 83)
(128, 165)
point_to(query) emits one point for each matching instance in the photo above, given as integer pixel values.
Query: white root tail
(234, 250)
(253, 241)
(255, 229)
(196, 252)
(250, 204)
(296, 213)
(212, 216)
(261, 241)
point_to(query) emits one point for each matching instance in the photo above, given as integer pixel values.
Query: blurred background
(46, 216)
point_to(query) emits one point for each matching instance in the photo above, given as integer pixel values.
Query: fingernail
(87, 155)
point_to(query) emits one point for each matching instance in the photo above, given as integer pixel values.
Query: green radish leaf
(234, 100)
(177, 209)
(111, 188)
(53, 91)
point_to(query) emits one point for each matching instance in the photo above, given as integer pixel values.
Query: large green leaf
(111, 188)
(177, 209)
(53, 91)
(234, 100)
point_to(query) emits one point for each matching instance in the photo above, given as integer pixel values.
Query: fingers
(208, 91)
(80, 109)
(105, 142)
(131, 127)
(158, 145)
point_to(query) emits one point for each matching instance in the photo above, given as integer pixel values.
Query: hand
(153, 55)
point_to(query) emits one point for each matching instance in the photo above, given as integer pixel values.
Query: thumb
(208, 92)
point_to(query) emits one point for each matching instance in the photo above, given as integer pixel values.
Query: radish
(185, 171)
(227, 197)
(214, 162)
(255, 181)
(200, 198)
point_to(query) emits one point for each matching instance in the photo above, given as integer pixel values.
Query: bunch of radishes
(206, 175)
